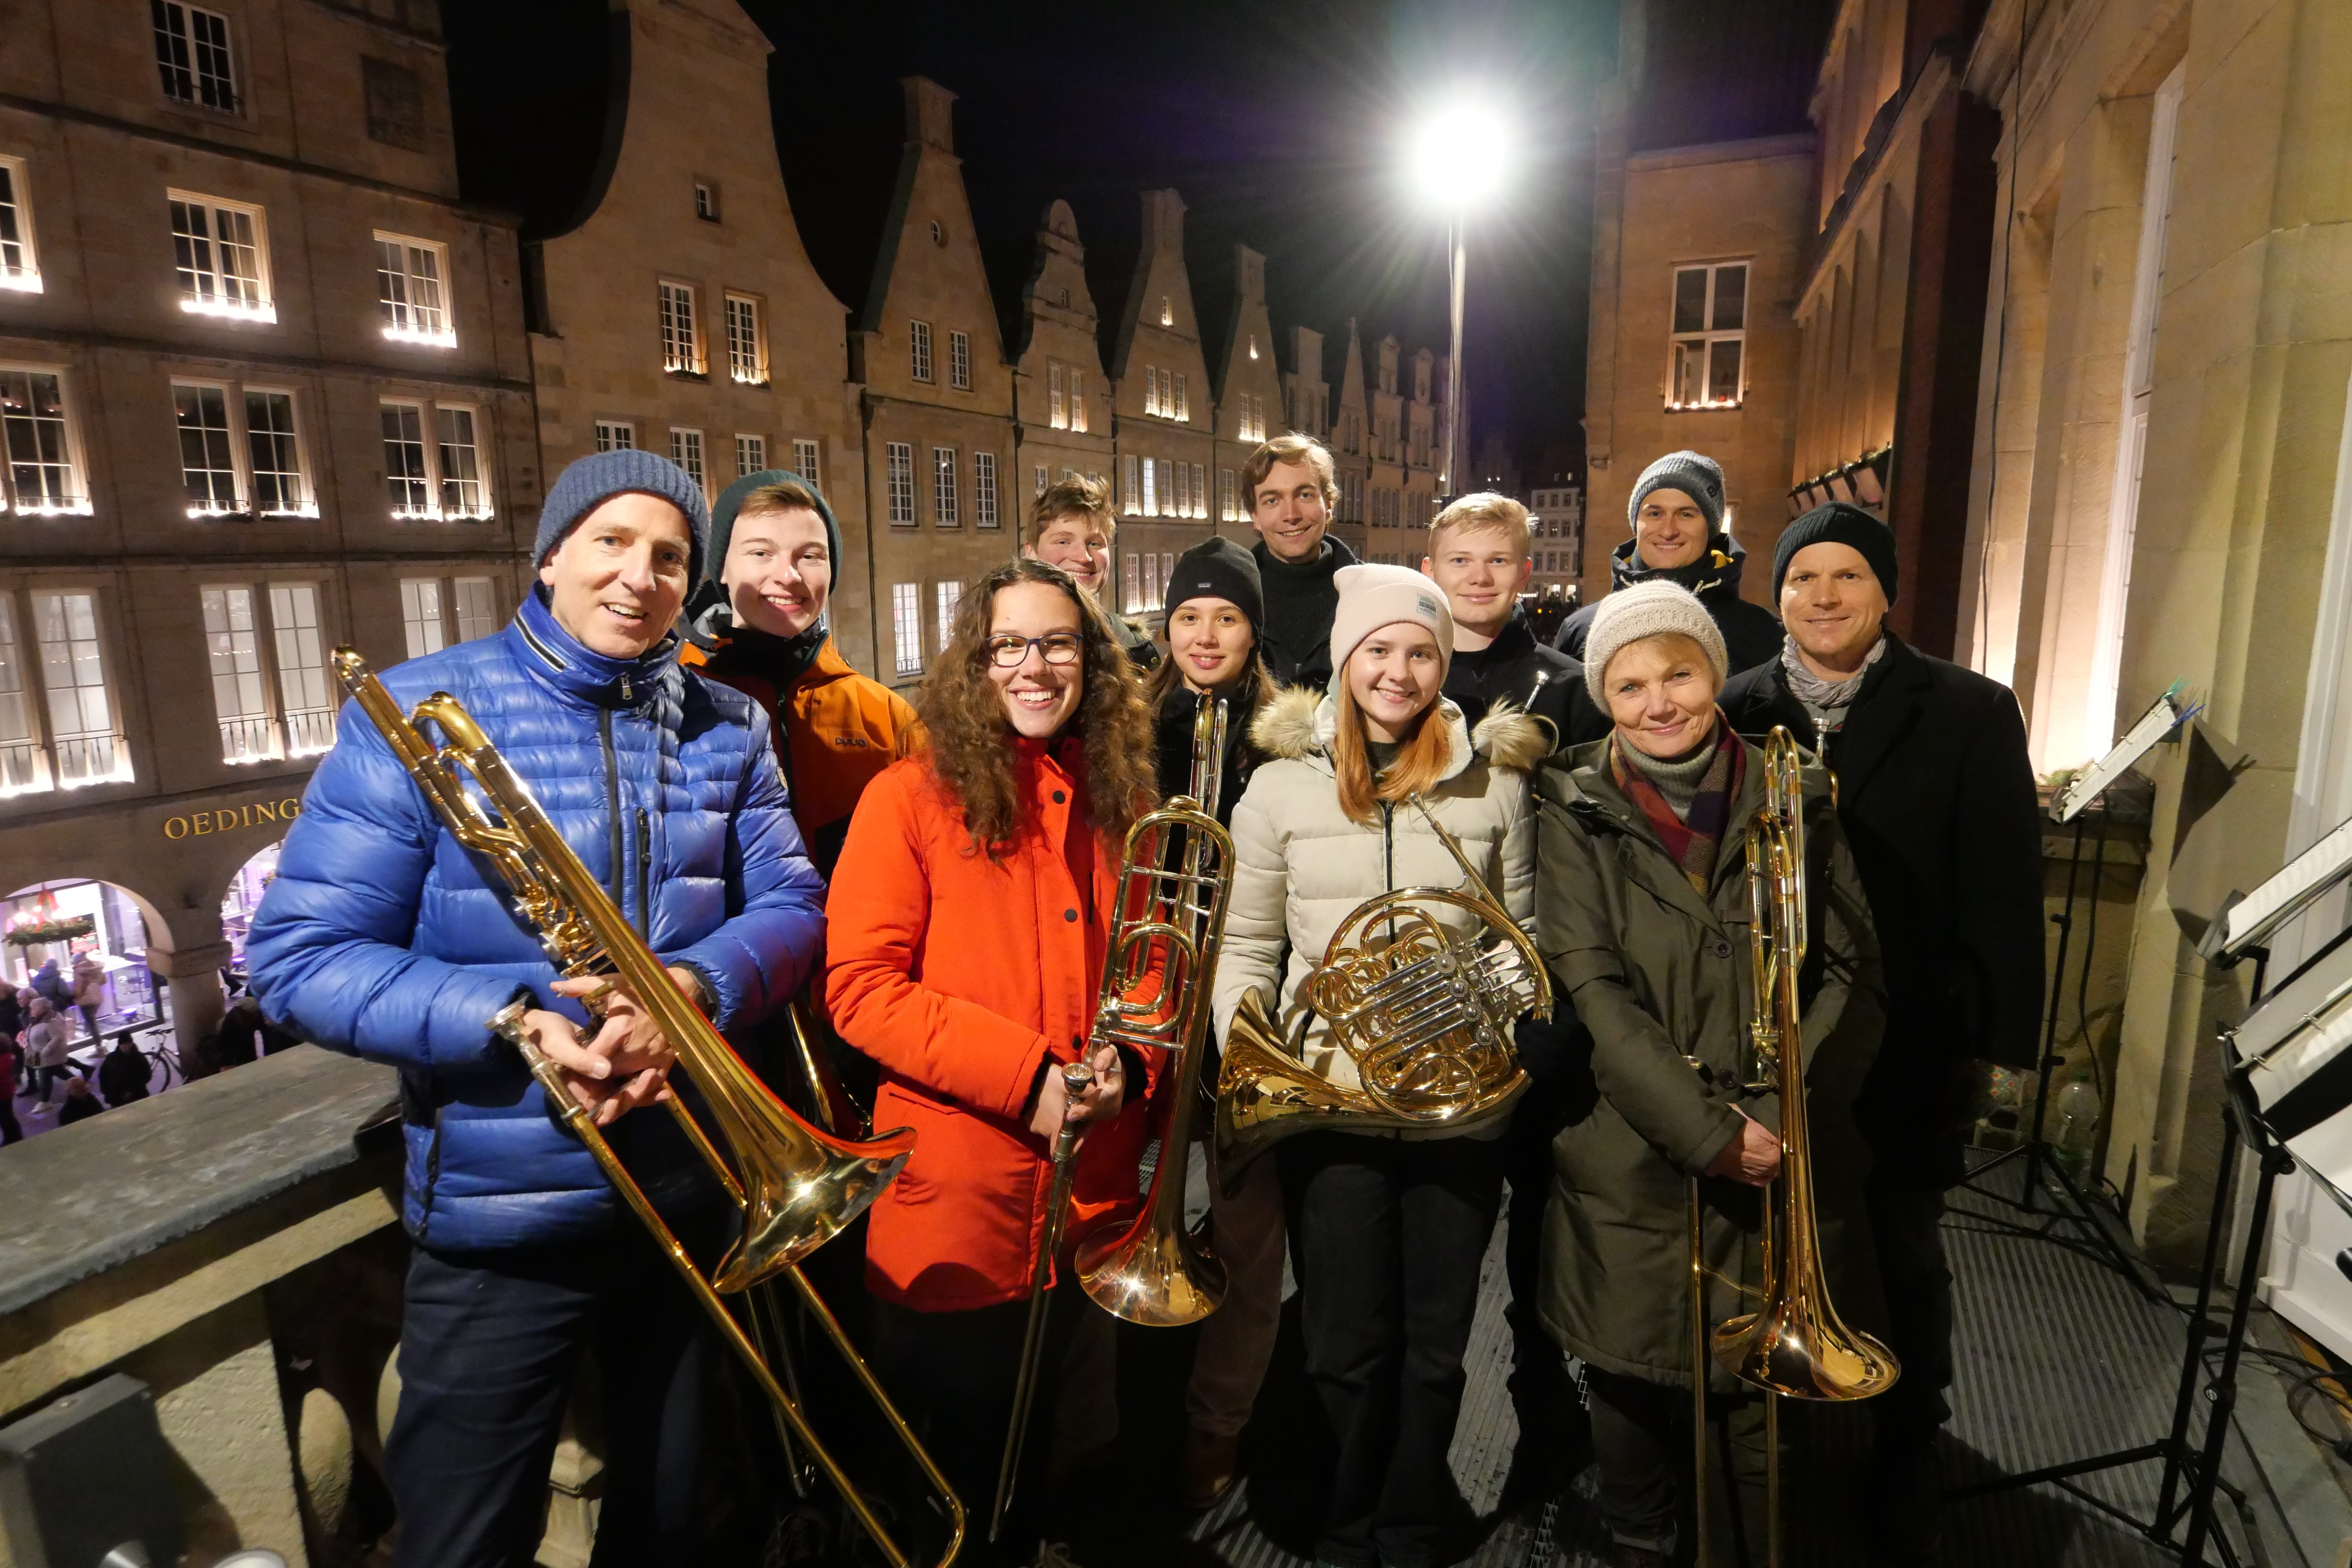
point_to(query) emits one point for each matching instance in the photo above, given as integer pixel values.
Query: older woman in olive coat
(1641, 911)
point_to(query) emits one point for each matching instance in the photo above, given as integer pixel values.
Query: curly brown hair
(970, 742)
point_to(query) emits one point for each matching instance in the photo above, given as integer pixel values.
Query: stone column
(198, 1000)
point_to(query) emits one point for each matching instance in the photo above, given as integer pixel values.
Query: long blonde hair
(1421, 761)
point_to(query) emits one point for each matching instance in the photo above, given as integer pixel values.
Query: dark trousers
(1902, 1489)
(1642, 1436)
(10, 1129)
(490, 1344)
(46, 1079)
(1390, 1234)
(1555, 1433)
(951, 1375)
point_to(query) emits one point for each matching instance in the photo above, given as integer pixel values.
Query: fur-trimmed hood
(1299, 722)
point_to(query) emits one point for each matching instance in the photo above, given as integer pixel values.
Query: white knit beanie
(1656, 609)
(1371, 598)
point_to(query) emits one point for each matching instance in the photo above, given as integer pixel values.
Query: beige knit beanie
(1656, 609)
(1373, 597)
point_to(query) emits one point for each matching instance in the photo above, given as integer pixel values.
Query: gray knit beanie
(1694, 474)
(592, 480)
(1656, 609)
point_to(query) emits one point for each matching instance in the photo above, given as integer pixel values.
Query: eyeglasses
(1007, 651)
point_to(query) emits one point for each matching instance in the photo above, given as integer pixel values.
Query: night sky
(1280, 125)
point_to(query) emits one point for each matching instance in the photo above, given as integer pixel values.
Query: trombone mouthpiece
(1077, 1079)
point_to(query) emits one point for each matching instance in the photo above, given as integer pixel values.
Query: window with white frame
(221, 251)
(420, 616)
(1150, 581)
(240, 691)
(1151, 389)
(1710, 321)
(900, 461)
(20, 265)
(706, 201)
(305, 698)
(273, 452)
(1166, 312)
(1167, 570)
(805, 464)
(463, 492)
(983, 490)
(1200, 490)
(432, 462)
(228, 472)
(686, 451)
(1078, 400)
(919, 348)
(1042, 480)
(1130, 488)
(1131, 581)
(950, 595)
(747, 345)
(751, 455)
(1183, 407)
(681, 332)
(208, 461)
(1228, 496)
(411, 291)
(615, 435)
(24, 763)
(85, 743)
(943, 486)
(192, 55)
(960, 361)
(1252, 416)
(907, 627)
(1057, 398)
(1150, 487)
(43, 469)
(477, 607)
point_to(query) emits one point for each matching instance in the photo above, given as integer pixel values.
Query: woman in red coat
(965, 934)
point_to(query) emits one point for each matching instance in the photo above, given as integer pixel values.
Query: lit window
(919, 339)
(24, 766)
(410, 292)
(615, 435)
(463, 494)
(274, 455)
(1131, 488)
(207, 462)
(751, 455)
(1151, 389)
(950, 595)
(1150, 581)
(303, 695)
(477, 607)
(681, 339)
(1709, 336)
(901, 461)
(20, 267)
(420, 616)
(408, 485)
(441, 479)
(222, 255)
(907, 627)
(240, 694)
(1228, 491)
(1151, 486)
(1041, 478)
(983, 490)
(1167, 571)
(943, 486)
(706, 201)
(686, 451)
(1183, 408)
(86, 745)
(1059, 415)
(1132, 580)
(960, 361)
(43, 478)
(1200, 490)
(1078, 400)
(1166, 312)
(192, 54)
(747, 348)
(805, 464)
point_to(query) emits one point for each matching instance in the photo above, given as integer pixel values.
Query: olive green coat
(1660, 974)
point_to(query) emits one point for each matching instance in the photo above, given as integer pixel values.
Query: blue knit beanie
(592, 481)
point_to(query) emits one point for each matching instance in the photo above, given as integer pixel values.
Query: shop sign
(230, 818)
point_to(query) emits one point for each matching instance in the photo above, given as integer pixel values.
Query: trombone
(796, 1187)
(1794, 1345)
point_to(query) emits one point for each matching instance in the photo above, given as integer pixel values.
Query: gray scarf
(1825, 701)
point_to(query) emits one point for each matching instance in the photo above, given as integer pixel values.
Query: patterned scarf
(1824, 701)
(1695, 839)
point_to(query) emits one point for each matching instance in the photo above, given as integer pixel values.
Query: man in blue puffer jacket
(382, 937)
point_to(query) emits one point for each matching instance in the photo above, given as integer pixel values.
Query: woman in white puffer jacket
(1390, 1230)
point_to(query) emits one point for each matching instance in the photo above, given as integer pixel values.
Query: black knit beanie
(708, 615)
(1840, 522)
(1219, 569)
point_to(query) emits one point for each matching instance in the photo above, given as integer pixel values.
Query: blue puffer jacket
(383, 937)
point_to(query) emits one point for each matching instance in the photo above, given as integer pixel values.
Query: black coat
(122, 1077)
(1295, 635)
(1173, 735)
(1937, 799)
(1751, 634)
(1508, 670)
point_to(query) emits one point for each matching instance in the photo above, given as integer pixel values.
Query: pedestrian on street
(10, 1130)
(80, 1104)
(123, 1074)
(88, 989)
(48, 1039)
(50, 983)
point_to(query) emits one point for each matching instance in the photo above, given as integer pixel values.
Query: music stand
(2164, 717)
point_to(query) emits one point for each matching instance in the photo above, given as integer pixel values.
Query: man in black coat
(1936, 797)
(1676, 510)
(1291, 485)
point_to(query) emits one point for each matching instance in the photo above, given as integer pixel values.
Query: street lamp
(1457, 159)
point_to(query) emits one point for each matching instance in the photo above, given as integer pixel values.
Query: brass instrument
(1154, 996)
(1794, 1345)
(1425, 1010)
(796, 1186)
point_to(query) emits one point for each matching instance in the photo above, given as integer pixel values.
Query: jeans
(1237, 1341)
(1390, 1234)
(490, 1344)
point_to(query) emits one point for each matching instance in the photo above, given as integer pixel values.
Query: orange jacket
(836, 731)
(961, 975)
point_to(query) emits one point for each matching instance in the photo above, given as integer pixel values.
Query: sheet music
(2293, 889)
(2163, 717)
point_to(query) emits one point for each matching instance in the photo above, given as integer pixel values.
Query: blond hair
(1290, 447)
(1420, 764)
(1076, 496)
(1483, 510)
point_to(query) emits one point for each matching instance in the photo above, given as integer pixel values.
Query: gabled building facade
(1385, 529)
(1425, 456)
(1061, 397)
(1250, 396)
(1306, 395)
(1163, 414)
(1351, 446)
(937, 400)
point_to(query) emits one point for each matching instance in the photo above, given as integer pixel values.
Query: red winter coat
(961, 975)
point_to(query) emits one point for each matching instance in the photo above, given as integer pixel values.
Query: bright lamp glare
(1461, 156)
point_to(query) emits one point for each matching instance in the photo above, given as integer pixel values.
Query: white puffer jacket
(1301, 864)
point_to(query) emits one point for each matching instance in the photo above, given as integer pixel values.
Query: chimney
(931, 114)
